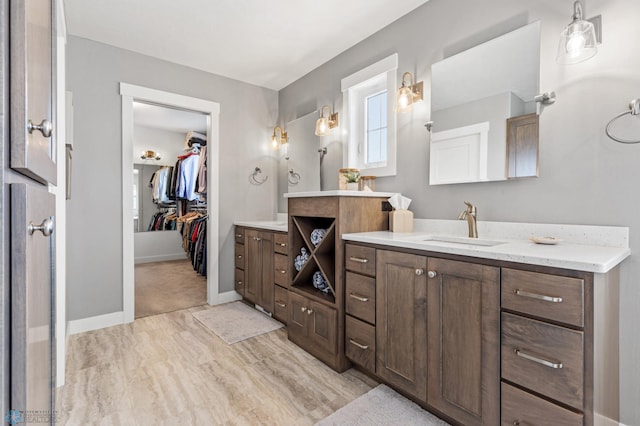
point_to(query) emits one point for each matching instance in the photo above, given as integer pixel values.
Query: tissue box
(401, 221)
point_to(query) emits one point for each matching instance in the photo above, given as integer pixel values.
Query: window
(370, 118)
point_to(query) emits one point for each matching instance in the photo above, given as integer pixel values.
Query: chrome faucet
(470, 214)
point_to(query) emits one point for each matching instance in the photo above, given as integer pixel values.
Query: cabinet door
(266, 286)
(401, 321)
(252, 270)
(464, 341)
(32, 148)
(298, 317)
(323, 327)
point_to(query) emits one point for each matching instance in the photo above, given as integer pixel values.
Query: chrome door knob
(432, 274)
(419, 272)
(45, 127)
(46, 227)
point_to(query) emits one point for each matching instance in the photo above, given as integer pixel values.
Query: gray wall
(247, 116)
(585, 178)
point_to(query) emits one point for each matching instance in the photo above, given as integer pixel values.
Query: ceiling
(171, 119)
(269, 43)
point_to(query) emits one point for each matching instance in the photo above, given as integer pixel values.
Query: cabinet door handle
(359, 345)
(257, 239)
(309, 311)
(239, 256)
(238, 235)
(282, 305)
(551, 299)
(539, 360)
(358, 259)
(358, 297)
(303, 309)
(419, 271)
(431, 274)
(239, 282)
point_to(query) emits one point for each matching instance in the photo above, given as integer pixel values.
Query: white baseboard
(94, 323)
(229, 296)
(160, 258)
(600, 420)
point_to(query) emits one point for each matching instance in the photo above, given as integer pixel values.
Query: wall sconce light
(407, 95)
(277, 141)
(150, 155)
(578, 41)
(325, 124)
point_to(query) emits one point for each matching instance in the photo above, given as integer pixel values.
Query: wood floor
(168, 286)
(169, 369)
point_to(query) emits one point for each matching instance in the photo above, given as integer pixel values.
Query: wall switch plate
(386, 206)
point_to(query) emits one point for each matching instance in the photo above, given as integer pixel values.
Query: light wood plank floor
(169, 369)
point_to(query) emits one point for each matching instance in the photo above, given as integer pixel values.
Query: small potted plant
(352, 178)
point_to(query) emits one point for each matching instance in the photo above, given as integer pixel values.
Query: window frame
(355, 88)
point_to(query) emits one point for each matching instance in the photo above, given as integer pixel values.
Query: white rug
(235, 322)
(382, 406)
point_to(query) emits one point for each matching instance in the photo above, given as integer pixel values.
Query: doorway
(131, 94)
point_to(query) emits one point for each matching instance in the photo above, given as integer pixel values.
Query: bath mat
(381, 406)
(235, 322)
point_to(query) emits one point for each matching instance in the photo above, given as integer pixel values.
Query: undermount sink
(462, 241)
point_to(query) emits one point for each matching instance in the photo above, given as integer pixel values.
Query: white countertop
(567, 254)
(338, 193)
(271, 225)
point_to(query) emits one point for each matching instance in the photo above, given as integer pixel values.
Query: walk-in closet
(170, 209)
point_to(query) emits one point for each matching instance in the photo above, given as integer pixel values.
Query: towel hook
(293, 178)
(634, 109)
(254, 179)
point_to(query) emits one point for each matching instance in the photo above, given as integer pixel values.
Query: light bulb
(274, 141)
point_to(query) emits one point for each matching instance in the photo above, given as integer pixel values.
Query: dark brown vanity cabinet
(464, 340)
(239, 257)
(259, 269)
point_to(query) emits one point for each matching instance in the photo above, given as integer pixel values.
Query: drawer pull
(282, 271)
(539, 360)
(257, 239)
(358, 259)
(282, 244)
(238, 235)
(239, 256)
(552, 299)
(358, 297)
(240, 282)
(359, 345)
(282, 305)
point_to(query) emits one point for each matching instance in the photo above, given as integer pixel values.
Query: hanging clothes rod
(634, 109)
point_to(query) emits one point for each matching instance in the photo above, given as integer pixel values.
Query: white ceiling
(269, 43)
(174, 120)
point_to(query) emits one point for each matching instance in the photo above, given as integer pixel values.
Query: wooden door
(323, 327)
(298, 317)
(401, 321)
(464, 341)
(522, 146)
(32, 149)
(266, 287)
(31, 299)
(253, 275)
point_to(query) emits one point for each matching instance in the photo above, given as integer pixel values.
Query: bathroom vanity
(490, 331)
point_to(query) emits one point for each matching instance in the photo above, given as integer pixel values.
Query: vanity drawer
(360, 259)
(521, 408)
(360, 343)
(281, 303)
(546, 296)
(545, 358)
(239, 256)
(361, 297)
(239, 281)
(281, 272)
(239, 235)
(281, 243)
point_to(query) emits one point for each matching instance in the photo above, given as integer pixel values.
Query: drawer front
(361, 297)
(239, 281)
(239, 235)
(281, 270)
(547, 296)
(239, 256)
(360, 259)
(521, 408)
(545, 358)
(360, 343)
(281, 304)
(281, 243)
